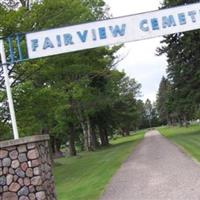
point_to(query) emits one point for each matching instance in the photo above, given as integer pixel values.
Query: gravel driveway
(156, 170)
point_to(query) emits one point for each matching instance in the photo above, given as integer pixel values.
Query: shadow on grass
(180, 132)
(124, 143)
(186, 134)
(57, 164)
(82, 154)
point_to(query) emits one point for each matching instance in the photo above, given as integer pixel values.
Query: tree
(183, 70)
(148, 111)
(72, 97)
(126, 106)
(163, 101)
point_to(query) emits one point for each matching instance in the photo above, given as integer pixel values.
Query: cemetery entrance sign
(113, 31)
(95, 34)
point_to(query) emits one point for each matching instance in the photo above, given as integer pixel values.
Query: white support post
(8, 90)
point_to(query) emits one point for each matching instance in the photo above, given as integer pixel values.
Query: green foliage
(150, 114)
(164, 103)
(5, 132)
(76, 97)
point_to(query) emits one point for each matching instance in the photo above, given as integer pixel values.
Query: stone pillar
(25, 169)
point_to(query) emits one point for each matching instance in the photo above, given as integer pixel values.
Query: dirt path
(157, 170)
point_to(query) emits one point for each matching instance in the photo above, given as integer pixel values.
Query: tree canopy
(80, 99)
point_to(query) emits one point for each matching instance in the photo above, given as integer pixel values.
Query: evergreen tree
(183, 68)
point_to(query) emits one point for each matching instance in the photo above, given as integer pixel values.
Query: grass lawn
(186, 138)
(85, 177)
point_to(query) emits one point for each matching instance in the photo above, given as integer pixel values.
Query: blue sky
(140, 61)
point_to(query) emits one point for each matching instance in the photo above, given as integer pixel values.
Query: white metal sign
(113, 31)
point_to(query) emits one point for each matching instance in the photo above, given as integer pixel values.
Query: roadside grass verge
(186, 138)
(85, 176)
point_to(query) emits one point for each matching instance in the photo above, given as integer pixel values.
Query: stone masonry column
(25, 169)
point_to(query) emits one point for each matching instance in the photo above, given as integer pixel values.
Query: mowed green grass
(85, 177)
(186, 138)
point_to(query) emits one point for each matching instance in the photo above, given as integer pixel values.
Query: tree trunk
(52, 149)
(122, 132)
(85, 132)
(72, 149)
(180, 122)
(94, 143)
(106, 136)
(52, 140)
(91, 136)
(102, 136)
(45, 131)
(85, 136)
(127, 132)
(150, 122)
(55, 146)
(90, 145)
(185, 121)
(94, 137)
(169, 122)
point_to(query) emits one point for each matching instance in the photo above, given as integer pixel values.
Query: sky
(140, 61)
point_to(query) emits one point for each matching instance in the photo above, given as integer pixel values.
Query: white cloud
(141, 62)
